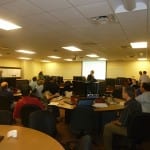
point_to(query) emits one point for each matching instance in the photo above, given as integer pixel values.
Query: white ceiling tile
(84, 2)
(4, 2)
(69, 14)
(96, 9)
(22, 8)
(49, 5)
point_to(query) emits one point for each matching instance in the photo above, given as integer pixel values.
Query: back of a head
(34, 78)
(25, 90)
(92, 71)
(130, 91)
(146, 86)
(4, 85)
(140, 72)
(144, 72)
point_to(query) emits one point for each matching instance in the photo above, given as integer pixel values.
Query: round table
(27, 139)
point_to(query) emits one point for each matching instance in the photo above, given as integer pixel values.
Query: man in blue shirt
(144, 98)
(119, 126)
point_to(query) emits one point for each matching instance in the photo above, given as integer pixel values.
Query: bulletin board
(10, 72)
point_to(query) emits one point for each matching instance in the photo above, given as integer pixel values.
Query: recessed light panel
(24, 58)
(72, 48)
(139, 45)
(68, 59)
(6, 25)
(102, 59)
(142, 59)
(55, 57)
(92, 55)
(45, 61)
(25, 51)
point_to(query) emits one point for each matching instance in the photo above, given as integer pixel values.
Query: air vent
(104, 19)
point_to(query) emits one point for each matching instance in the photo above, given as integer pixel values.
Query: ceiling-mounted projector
(129, 4)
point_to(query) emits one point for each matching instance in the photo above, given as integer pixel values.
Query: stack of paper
(100, 105)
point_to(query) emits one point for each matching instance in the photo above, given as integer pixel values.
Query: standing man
(119, 126)
(91, 77)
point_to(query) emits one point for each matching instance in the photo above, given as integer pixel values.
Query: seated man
(26, 99)
(144, 98)
(132, 107)
(5, 92)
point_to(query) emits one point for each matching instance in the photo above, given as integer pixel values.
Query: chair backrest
(26, 110)
(44, 121)
(4, 103)
(139, 127)
(6, 117)
(85, 143)
(82, 120)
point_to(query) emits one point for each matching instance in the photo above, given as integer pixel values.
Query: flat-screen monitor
(85, 89)
(99, 68)
(79, 78)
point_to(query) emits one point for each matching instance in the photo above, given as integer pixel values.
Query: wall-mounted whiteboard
(99, 68)
(10, 72)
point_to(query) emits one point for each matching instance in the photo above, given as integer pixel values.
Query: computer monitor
(79, 78)
(86, 89)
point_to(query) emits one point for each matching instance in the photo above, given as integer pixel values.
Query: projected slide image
(99, 68)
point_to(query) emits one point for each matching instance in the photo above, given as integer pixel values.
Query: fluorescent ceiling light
(92, 55)
(72, 48)
(139, 45)
(55, 57)
(24, 58)
(45, 61)
(68, 59)
(102, 59)
(6, 25)
(142, 59)
(25, 51)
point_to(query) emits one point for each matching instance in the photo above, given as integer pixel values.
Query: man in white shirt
(144, 98)
(144, 77)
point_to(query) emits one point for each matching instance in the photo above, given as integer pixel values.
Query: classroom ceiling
(102, 27)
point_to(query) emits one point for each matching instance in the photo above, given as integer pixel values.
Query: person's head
(34, 78)
(145, 87)
(4, 85)
(26, 90)
(144, 72)
(92, 72)
(140, 72)
(128, 93)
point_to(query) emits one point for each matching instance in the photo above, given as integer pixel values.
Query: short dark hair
(25, 90)
(130, 91)
(146, 86)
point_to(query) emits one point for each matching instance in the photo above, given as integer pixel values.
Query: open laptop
(85, 102)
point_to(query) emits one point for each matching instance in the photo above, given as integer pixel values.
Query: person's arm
(117, 122)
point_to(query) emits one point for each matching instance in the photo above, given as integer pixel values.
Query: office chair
(43, 121)
(4, 103)
(82, 121)
(138, 130)
(6, 117)
(25, 112)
